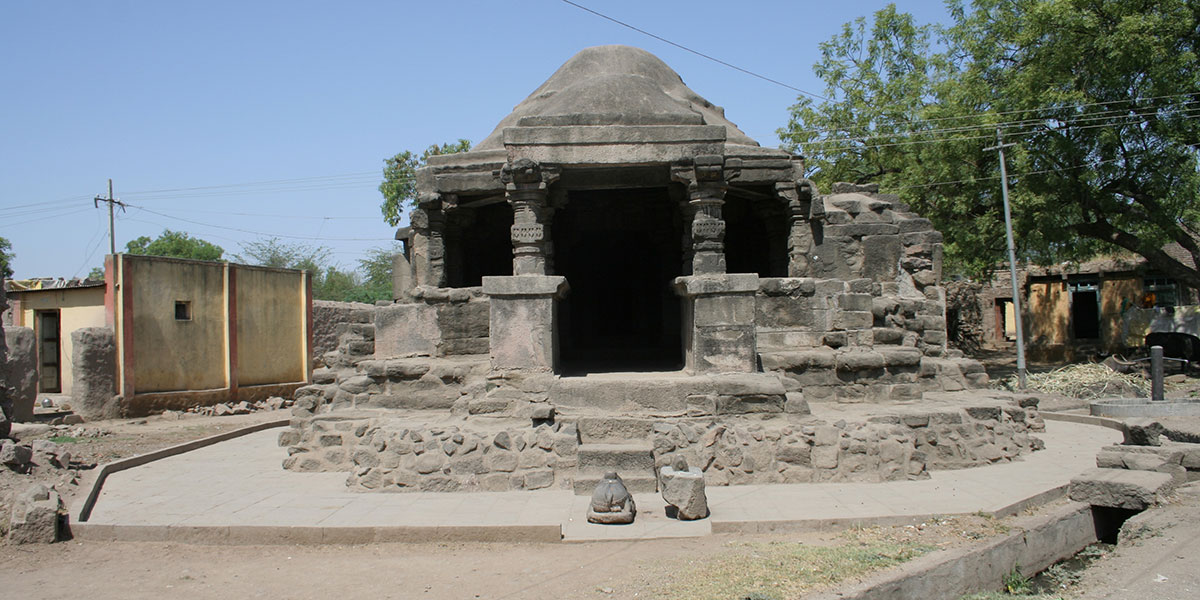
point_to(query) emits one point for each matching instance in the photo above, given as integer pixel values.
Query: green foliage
(1016, 583)
(175, 244)
(6, 258)
(399, 177)
(371, 282)
(1099, 97)
(274, 252)
(96, 274)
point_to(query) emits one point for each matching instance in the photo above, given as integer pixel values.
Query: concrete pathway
(237, 492)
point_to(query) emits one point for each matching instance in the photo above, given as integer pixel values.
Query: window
(1165, 291)
(183, 310)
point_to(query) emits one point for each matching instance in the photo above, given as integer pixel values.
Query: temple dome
(614, 85)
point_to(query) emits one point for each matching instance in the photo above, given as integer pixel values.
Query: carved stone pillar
(706, 196)
(799, 197)
(428, 242)
(526, 183)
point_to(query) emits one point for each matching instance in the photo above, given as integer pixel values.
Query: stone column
(525, 185)
(523, 334)
(719, 335)
(523, 331)
(428, 224)
(706, 196)
(799, 196)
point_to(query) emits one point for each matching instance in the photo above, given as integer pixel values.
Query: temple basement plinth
(616, 277)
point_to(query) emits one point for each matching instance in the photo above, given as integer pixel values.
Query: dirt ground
(644, 569)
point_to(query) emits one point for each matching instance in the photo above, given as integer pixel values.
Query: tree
(6, 258)
(175, 244)
(329, 282)
(276, 253)
(399, 177)
(1100, 97)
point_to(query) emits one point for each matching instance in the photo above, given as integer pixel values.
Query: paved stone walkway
(236, 492)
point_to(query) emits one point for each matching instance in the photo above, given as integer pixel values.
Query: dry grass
(783, 570)
(1085, 381)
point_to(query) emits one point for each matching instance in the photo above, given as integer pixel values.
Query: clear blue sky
(314, 95)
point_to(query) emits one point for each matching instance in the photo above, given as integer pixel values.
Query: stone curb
(950, 574)
(85, 510)
(269, 535)
(1084, 420)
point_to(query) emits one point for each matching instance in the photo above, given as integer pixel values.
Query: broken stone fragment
(35, 516)
(611, 502)
(683, 489)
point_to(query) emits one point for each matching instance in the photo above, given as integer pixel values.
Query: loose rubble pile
(238, 408)
(39, 454)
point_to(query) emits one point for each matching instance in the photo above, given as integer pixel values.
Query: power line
(1104, 115)
(696, 52)
(848, 144)
(277, 235)
(1041, 109)
(256, 183)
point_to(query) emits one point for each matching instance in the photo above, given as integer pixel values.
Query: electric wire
(696, 52)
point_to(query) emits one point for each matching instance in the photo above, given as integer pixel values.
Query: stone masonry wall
(381, 453)
(436, 322)
(343, 333)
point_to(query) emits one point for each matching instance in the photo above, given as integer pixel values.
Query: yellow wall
(271, 339)
(78, 308)
(1116, 296)
(1050, 311)
(170, 354)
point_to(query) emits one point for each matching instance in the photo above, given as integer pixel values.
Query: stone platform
(234, 492)
(738, 428)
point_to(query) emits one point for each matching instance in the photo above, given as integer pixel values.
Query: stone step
(597, 459)
(626, 392)
(600, 429)
(584, 485)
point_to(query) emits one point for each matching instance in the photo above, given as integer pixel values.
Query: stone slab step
(584, 485)
(597, 459)
(616, 392)
(1121, 488)
(614, 429)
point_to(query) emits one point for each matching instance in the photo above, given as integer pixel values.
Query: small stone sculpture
(683, 490)
(611, 502)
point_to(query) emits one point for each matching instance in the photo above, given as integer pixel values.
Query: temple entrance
(620, 252)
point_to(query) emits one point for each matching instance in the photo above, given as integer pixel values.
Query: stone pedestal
(718, 322)
(523, 314)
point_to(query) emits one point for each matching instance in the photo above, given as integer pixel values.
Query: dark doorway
(1085, 311)
(478, 243)
(620, 252)
(49, 342)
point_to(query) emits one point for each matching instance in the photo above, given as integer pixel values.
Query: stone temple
(617, 276)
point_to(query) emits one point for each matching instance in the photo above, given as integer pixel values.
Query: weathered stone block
(846, 319)
(406, 330)
(94, 369)
(1121, 488)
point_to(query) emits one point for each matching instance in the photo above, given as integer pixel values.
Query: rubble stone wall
(381, 454)
(332, 321)
(388, 455)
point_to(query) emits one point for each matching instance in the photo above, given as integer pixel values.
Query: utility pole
(1012, 259)
(112, 240)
